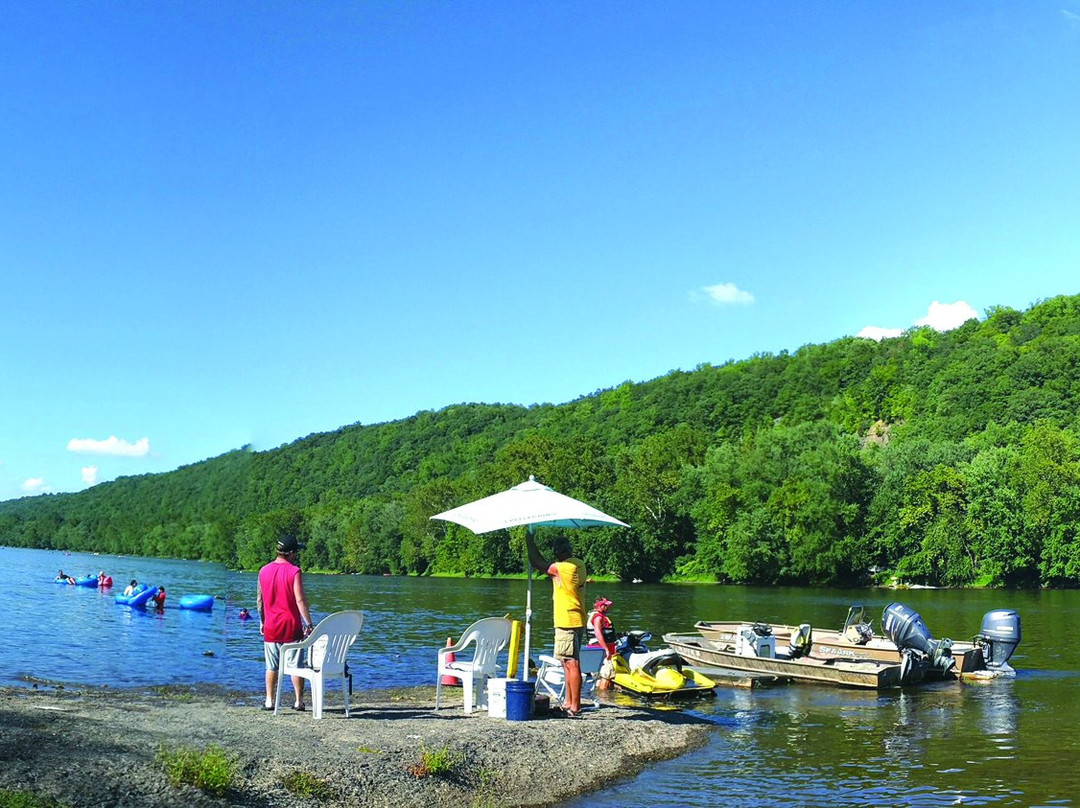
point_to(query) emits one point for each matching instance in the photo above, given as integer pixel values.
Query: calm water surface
(1006, 742)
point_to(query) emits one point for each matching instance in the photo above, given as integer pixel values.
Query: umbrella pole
(528, 612)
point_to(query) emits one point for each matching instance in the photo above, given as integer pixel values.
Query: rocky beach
(83, 747)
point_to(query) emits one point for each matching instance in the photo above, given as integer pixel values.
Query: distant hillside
(947, 458)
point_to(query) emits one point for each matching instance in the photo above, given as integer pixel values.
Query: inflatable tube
(89, 580)
(125, 600)
(139, 599)
(107, 583)
(198, 603)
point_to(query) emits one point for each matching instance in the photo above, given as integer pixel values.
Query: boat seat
(801, 642)
(664, 657)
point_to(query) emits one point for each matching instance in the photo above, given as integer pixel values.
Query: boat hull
(866, 673)
(831, 644)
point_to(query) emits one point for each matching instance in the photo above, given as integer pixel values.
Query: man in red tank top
(283, 614)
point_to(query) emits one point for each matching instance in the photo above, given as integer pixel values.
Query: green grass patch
(436, 763)
(17, 798)
(306, 785)
(211, 770)
(677, 578)
(173, 693)
(594, 578)
(484, 797)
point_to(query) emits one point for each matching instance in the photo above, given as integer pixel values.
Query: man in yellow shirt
(568, 583)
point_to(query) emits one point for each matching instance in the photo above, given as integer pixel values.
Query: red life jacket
(600, 620)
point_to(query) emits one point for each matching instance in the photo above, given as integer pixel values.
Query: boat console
(756, 641)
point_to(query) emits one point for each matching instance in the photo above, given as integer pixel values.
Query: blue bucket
(519, 701)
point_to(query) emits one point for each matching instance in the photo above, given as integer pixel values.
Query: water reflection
(942, 745)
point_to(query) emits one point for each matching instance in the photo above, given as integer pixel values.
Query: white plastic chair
(551, 676)
(326, 648)
(490, 636)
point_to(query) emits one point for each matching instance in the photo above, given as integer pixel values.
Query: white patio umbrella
(534, 505)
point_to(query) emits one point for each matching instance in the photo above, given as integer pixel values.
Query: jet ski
(661, 673)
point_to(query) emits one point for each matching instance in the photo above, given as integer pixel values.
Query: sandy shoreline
(97, 747)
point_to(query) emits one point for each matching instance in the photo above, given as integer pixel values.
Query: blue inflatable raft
(139, 598)
(198, 603)
(87, 580)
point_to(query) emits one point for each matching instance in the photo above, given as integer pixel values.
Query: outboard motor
(905, 627)
(998, 637)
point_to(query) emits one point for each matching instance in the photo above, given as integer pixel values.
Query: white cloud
(947, 316)
(112, 446)
(726, 294)
(35, 485)
(89, 474)
(878, 334)
(940, 317)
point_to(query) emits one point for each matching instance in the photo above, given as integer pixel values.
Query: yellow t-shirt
(568, 580)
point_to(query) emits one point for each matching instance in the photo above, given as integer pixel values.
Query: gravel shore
(99, 747)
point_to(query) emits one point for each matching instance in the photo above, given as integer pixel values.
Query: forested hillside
(945, 458)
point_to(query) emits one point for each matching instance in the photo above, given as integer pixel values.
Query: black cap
(289, 544)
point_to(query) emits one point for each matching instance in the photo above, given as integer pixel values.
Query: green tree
(257, 537)
(1006, 552)
(647, 495)
(934, 518)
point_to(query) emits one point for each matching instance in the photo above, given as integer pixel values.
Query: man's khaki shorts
(568, 643)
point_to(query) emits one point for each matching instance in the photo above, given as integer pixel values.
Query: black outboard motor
(905, 627)
(998, 637)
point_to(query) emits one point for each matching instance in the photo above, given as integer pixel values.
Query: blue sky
(232, 223)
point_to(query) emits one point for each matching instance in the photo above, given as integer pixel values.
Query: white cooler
(496, 697)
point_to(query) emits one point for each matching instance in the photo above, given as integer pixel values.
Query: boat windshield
(855, 615)
(857, 627)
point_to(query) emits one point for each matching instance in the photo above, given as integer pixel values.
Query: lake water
(1005, 742)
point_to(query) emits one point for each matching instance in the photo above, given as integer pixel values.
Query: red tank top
(281, 615)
